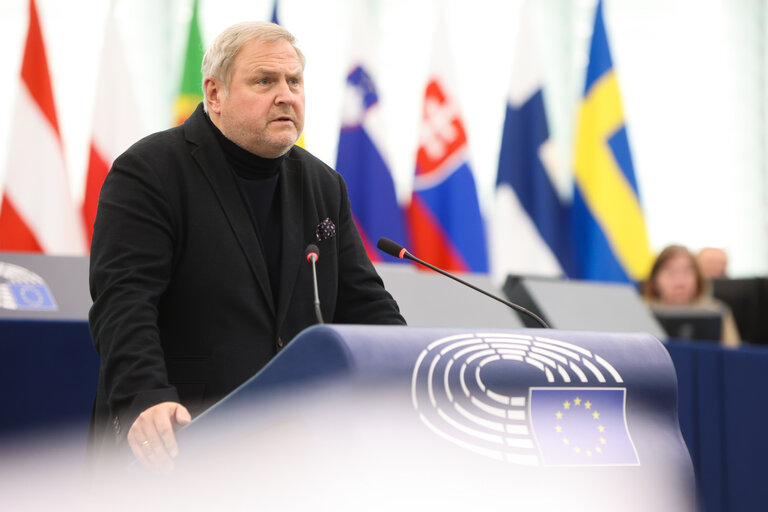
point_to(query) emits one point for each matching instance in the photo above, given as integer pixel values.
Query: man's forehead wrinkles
(261, 69)
(269, 60)
(273, 69)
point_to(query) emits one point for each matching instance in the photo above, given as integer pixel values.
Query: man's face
(713, 263)
(263, 111)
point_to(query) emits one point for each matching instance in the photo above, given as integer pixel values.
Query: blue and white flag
(530, 228)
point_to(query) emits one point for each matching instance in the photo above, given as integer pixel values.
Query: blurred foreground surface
(330, 449)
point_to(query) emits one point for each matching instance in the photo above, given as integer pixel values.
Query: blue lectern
(362, 417)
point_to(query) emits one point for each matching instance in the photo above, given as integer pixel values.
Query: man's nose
(284, 93)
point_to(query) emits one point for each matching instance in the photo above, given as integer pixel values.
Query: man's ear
(214, 90)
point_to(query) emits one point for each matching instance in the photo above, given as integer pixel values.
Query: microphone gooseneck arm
(398, 251)
(312, 254)
(318, 313)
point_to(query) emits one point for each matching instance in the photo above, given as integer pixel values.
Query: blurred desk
(48, 366)
(48, 375)
(723, 411)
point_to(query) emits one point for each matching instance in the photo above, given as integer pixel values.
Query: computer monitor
(748, 300)
(571, 304)
(690, 322)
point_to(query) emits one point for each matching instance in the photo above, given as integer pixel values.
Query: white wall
(691, 72)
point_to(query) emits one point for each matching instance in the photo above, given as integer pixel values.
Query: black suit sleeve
(131, 264)
(362, 298)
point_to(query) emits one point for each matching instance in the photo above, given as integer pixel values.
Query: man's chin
(277, 148)
(285, 138)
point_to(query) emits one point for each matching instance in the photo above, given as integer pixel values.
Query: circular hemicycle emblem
(21, 289)
(475, 391)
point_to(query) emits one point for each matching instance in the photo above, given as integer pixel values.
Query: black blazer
(183, 309)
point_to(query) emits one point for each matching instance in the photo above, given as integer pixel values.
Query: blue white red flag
(369, 181)
(362, 151)
(444, 217)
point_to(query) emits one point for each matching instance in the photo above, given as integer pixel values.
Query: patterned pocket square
(325, 230)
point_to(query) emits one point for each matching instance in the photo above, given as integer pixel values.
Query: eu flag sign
(23, 290)
(581, 426)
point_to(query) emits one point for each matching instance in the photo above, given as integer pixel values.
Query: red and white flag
(115, 119)
(37, 213)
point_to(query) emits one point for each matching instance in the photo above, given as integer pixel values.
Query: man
(713, 262)
(197, 271)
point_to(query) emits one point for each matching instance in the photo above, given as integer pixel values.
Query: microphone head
(311, 251)
(392, 248)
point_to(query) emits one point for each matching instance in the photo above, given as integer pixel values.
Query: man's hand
(151, 436)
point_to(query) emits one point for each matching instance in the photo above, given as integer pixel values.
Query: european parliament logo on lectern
(22, 289)
(457, 395)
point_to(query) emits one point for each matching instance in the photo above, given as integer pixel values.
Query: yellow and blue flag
(609, 231)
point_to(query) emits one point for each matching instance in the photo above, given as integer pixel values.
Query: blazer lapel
(210, 158)
(292, 206)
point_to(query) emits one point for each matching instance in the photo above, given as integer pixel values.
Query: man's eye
(263, 81)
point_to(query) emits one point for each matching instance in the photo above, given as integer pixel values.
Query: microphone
(398, 251)
(312, 253)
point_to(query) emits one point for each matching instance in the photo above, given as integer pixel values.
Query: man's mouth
(283, 119)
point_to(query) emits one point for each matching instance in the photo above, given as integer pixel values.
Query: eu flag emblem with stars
(32, 296)
(581, 426)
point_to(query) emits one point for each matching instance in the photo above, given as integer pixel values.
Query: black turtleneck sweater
(258, 180)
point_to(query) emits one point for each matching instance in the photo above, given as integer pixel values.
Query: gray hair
(219, 60)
